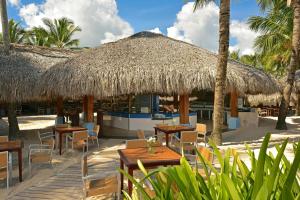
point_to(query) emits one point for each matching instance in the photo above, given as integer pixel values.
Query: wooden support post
(84, 107)
(184, 106)
(60, 107)
(90, 109)
(234, 104)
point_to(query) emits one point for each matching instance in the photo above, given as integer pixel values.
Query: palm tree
(12, 117)
(275, 41)
(60, 32)
(16, 32)
(294, 56)
(38, 36)
(219, 97)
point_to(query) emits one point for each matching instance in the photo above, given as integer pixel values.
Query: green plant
(268, 177)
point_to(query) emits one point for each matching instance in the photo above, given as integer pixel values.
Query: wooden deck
(67, 184)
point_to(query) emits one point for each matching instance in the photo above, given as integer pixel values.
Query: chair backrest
(138, 143)
(189, 137)
(140, 134)
(206, 153)
(80, 135)
(3, 164)
(201, 128)
(96, 129)
(3, 138)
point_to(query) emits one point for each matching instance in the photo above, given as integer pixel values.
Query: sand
(233, 139)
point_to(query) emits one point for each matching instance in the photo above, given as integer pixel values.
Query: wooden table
(171, 129)
(163, 156)
(63, 130)
(12, 146)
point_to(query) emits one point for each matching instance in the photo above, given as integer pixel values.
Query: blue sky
(107, 20)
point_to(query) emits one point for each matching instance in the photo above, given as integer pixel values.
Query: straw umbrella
(148, 63)
(20, 72)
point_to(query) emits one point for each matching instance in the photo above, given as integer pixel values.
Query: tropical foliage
(16, 32)
(60, 32)
(269, 176)
(56, 33)
(275, 42)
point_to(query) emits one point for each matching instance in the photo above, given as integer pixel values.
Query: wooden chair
(99, 184)
(262, 112)
(187, 142)
(79, 139)
(4, 169)
(140, 134)
(3, 138)
(93, 135)
(194, 160)
(40, 153)
(137, 143)
(202, 131)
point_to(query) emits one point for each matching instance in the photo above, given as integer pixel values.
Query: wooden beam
(84, 107)
(184, 106)
(90, 109)
(60, 107)
(234, 104)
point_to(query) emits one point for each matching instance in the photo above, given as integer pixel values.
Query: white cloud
(14, 2)
(98, 19)
(201, 28)
(155, 30)
(244, 37)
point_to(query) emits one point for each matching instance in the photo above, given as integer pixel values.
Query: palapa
(147, 63)
(20, 71)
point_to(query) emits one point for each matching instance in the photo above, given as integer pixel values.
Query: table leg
(167, 139)
(155, 133)
(130, 172)
(20, 162)
(121, 174)
(60, 143)
(10, 166)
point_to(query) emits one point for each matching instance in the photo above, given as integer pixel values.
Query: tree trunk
(294, 63)
(4, 22)
(221, 71)
(14, 131)
(298, 105)
(281, 125)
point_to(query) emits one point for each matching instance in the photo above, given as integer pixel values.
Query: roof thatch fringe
(148, 63)
(21, 70)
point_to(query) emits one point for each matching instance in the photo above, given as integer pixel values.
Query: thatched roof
(21, 70)
(148, 63)
(275, 98)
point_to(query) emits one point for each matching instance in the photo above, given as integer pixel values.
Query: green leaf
(230, 187)
(259, 171)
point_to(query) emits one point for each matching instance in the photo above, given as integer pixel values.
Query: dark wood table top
(69, 129)
(162, 156)
(11, 145)
(173, 128)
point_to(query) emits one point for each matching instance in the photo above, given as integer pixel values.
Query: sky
(109, 20)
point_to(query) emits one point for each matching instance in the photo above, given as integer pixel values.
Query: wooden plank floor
(67, 184)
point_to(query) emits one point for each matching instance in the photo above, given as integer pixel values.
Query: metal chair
(187, 141)
(79, 139)
(46, 138)
(137, 143)
(4, 168)
(93, 135)
(40, 153)
(202, 131)
(99, 184)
